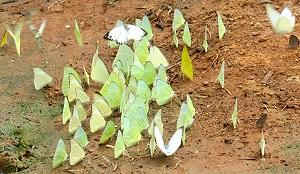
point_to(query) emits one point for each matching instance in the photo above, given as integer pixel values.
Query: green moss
(21, 135)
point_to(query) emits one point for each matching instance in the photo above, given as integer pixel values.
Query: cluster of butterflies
(178, 21)
(78, 143)
(283, 23)
(127, 89)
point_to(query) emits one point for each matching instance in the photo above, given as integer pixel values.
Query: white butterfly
(121, 33)
(282, 23)
(173, 144)
(37, 34)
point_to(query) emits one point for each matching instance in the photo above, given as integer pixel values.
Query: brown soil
(261, 71)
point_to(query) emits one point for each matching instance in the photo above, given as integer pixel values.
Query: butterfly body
(125, 32)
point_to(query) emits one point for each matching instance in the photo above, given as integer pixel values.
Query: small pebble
(255, 33)
(228, 141)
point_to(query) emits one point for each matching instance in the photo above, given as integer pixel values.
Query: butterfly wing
(159, 140)
(41, 29)
(189, 102)
(283, 25)
(149, 73)
(178, 20)
(118, 34)
(288, 14)
(174, 142)
(273, 15)
(80, 109)
(4, 39)
(81, 95)
(134, 32)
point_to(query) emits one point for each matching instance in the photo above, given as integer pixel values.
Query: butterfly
(41, 78)
(99, 72)
(221, 76)
(77, 33)
(185, 119)
(149, 73)
(97, 120)
(282, 23)
(186, 63)
(102, 105)
(173, 144)
(81, 137)
(120, 145)
(77, 153)
(156, 57)
(294, 41)
(37, 34)
(261, 121)
(132, 132)
(74, 120)
(124, 32)
(162, 92)
(108, 132)
(60, 154)
(66, 79)
(222, 29)
(66, 111)
(178, 21)
(262, 144)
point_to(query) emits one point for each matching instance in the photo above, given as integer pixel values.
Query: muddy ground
(261, 71)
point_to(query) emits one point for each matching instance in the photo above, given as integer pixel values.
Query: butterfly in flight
(122, 33)
(37, 34)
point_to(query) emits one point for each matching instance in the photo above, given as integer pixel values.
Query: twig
(177, 163)
(227, 91)
(266, 107)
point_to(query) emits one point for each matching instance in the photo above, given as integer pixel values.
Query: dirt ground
(261, 71)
